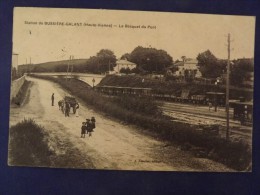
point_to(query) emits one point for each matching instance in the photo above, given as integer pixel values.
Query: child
(89, 127)
(83, 129)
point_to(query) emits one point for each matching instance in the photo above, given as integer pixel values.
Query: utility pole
(72, 58)
(108, 66)
(68, 69)
(227, 88)
(72, 66)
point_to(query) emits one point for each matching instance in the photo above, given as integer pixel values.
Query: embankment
(23, 93)
(16, 86)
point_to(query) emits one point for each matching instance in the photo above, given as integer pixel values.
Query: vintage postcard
(131, 90)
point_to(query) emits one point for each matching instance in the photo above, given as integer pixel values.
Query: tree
(92, 65)
(126, 56)
(183, 58)
(189, 75)
(209, 65)
(106, 60)
(150, 59)
(240, 71)
(125, 70)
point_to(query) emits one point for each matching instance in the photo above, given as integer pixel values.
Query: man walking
(67, 109)
(52, 99)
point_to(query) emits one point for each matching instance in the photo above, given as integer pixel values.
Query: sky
(52, 34)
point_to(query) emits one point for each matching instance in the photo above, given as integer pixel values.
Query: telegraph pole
(68, 69)
(72, 66)
(72, 58)
(227, 88)
(108, 66)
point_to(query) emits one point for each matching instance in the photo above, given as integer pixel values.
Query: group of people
(88, 127)
(64, 107)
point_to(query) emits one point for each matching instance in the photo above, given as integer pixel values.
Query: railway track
(200, 116)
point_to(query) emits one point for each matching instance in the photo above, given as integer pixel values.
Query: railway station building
(123, 64)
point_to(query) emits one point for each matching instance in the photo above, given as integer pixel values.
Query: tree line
(212, 67)
(152, 60)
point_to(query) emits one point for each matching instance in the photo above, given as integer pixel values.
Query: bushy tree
(189, 75)
(150, 59)
(104, 61)
(210, 66)
(240, 70)
(92, 65)
(125, 70)
(126, 56)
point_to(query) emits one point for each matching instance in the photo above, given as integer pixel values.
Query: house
(187, 66)
(123, 64)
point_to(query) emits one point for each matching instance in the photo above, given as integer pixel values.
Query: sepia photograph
(131, 90)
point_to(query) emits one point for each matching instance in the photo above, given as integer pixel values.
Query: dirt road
(113, 145)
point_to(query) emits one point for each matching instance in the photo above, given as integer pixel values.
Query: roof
(117, 87)
(241, 103)
(188, 61)
(215, 93)
(125, 62)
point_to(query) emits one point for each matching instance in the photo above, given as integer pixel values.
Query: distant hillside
(57, 66)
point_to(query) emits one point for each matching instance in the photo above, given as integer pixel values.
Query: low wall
(16, 86)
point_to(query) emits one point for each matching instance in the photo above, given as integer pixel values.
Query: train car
(198, 99)
(216, 98)
(140, 91)
(185, 96)
(243, 111)
(115, 90)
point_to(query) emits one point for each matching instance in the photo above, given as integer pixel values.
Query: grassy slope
(22, 94)
(29, 146)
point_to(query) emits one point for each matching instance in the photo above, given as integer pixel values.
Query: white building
(190, 65)
(123, 64)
